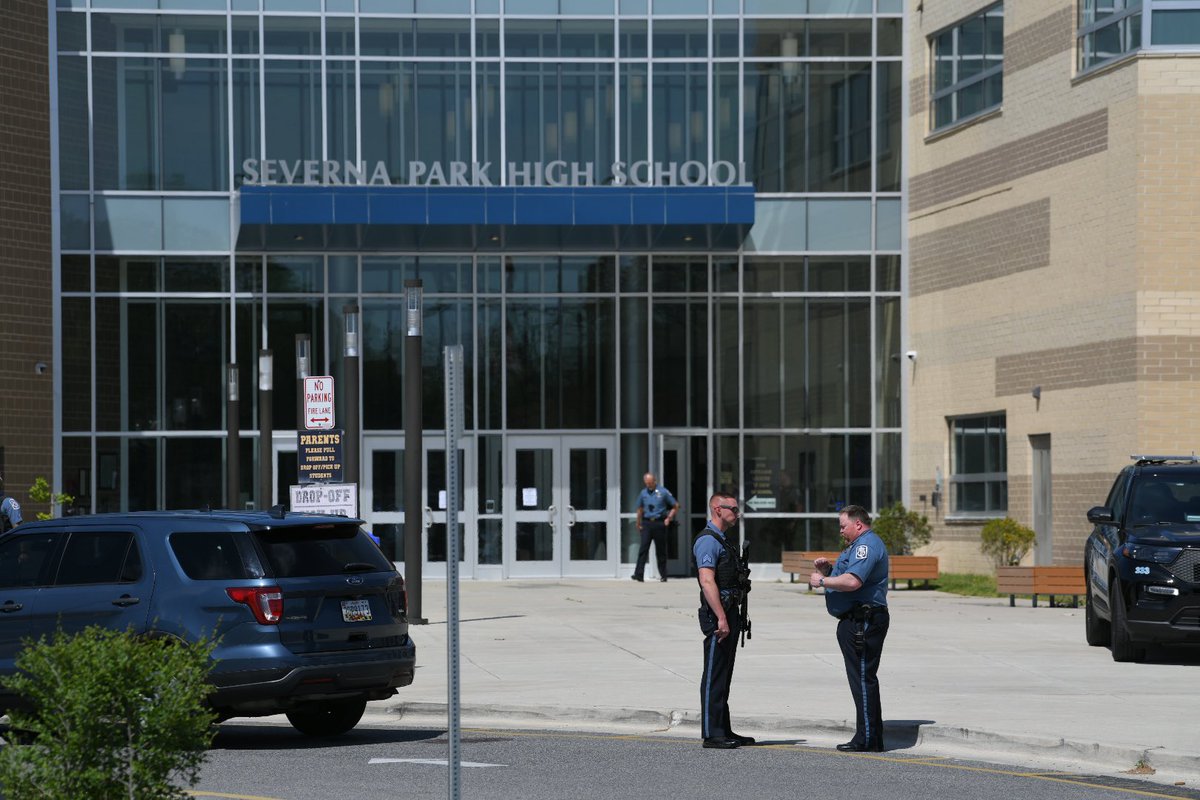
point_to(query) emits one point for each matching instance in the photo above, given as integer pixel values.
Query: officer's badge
(861, 551)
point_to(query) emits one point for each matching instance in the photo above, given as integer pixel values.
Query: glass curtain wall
(779, 365)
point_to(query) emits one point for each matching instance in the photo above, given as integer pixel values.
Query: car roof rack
(1141, 459)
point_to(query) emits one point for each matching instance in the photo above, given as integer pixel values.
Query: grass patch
(967, 584)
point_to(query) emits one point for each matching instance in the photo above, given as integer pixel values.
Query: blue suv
(308, 614)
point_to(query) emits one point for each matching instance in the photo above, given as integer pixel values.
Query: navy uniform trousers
(718, 673)
(653, 530)
(861, 669)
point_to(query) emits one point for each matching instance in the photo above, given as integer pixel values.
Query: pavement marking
(925, 761)
(442, 762)
(197, 793)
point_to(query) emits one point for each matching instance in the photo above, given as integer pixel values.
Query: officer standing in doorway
(856, 593)
(10, 510)
(720, 621)
(655, 511)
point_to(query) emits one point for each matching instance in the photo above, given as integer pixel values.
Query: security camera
(912, 355)
(40, 368)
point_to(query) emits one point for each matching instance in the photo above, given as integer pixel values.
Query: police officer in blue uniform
(10, 510)
(656, 510)
(720, 621)
(856, 593)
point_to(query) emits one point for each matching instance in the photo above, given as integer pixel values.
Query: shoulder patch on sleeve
(861, 551)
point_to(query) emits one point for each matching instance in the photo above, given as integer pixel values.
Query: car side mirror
(1099, 514)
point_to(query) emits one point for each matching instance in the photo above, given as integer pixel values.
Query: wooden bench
(913, 568)
(904, 568)
(800, 562)
(1051, 581)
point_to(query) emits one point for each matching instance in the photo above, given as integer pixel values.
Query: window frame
(986, 479)
(1121, 20)
(953, 90)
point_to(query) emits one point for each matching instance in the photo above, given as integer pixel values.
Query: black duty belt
(653, 519)
(862, 612)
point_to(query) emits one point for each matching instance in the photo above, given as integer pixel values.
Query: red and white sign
(318, 403)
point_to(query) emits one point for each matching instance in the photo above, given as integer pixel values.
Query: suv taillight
(265, 602)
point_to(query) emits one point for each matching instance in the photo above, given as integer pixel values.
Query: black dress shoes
(663, 579)
(856, 747)
(721, 743)
(743, 741)
(637, 578)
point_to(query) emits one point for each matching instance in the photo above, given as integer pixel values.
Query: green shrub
(901, 530)
(40, 493)
(1006, 541)
(112, 716)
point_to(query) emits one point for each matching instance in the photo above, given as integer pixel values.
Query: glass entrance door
(563, 497)
(383, 502)
(437, 502)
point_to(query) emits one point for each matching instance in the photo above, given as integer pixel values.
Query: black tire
(1123, 648)
(1097, 631)
(328, 717)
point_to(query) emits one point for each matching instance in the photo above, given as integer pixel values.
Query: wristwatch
(821, 583)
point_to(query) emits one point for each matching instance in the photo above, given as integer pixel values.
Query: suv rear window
(320, 550)
(214, 556)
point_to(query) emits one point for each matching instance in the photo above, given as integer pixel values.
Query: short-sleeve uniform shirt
(11, 510)
(655, 504)
(867, 559)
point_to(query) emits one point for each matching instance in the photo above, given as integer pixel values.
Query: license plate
(356, 610)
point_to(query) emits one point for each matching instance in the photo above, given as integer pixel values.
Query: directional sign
(318, 403)
(757, 503)
(325, 498)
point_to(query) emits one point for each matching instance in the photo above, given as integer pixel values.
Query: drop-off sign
(318, 403)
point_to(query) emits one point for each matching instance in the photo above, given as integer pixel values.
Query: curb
(902, 735)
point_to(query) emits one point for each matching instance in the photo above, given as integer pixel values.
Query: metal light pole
(353, 435)
(414, 507)
(233, 446)
(303, 370)
(265, 454)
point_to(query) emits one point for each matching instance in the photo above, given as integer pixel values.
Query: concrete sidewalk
(960, 676)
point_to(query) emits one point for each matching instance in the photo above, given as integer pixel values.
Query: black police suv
(1142, 560)
(309, 616)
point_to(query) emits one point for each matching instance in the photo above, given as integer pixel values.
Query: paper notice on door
(442, 499)
(529, 498)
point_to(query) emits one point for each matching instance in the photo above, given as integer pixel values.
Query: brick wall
(26, 425)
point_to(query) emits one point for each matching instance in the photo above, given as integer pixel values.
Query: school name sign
(279, 172)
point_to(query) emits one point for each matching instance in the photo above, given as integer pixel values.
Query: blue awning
(287, 217)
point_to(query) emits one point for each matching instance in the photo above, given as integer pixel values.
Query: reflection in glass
(535, 541)
(589, 479)
(534, 479)
(435, 480)
(491, 541)
(589, 541)
(387, 480)
(680, 365)
(560, 363)
(437, 547)
(391, 539)
(680, 112)
(193, 473)
(888, 361)
(293, 110)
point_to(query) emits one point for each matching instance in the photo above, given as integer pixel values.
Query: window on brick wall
(1108, 29)
(979, 466)
(968, 68)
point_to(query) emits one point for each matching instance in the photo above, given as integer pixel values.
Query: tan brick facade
(26, 423)
(1106, 320)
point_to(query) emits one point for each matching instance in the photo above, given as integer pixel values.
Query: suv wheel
(1097, 631)
(328, 717)
(1123, 648)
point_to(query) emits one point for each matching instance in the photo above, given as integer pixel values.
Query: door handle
(9, 607)
(125, 600)
(553, 512)
(570, 516)
(428, 517)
